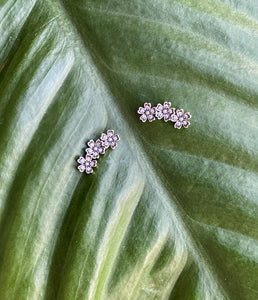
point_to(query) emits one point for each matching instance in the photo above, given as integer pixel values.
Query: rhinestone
(81, 160)
(141, 110)
(174, 118)
(143, 117)
(81, 168)
(104, 137)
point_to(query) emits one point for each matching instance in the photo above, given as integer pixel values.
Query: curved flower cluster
(166, 112)
(87, 163)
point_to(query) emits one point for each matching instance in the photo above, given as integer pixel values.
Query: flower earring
(87, 163)
(165, 112)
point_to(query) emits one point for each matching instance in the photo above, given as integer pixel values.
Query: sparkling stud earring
(165, 112)
(87, 163)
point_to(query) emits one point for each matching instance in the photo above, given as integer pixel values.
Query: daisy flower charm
(86, 164)
(164, 111)
(181, 119)
(110, 139)
(95, 148)
(147, 112)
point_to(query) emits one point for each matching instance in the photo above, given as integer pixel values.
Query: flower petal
(159, 107)
(174, 118)
(106, 144)
(91, 143)
(102, 150)
(167, 104)
(147, 105)
(178, 125)
(88, 157)
(186, 123)
(153, 109)
(89, 151)
(103, 137)
(113, 145)
(110, 133)
(98, 143)
(143, 118)
(159, 115)
(89, 170)
(179, 112)
(151, 118)
(140, 110)
(116, 137)
(166, 117)
(187, 115)
(93, 163)
(81, 168)
(95, 155)
(81, 160)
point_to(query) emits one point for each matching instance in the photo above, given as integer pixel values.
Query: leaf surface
(169, 214)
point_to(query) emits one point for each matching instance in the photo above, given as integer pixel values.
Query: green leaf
(168, 214)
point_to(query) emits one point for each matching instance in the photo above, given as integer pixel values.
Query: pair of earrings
(87, 163)
(110, 139)
(165, 112)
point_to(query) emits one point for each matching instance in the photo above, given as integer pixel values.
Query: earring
(165, 112)
(87, 163)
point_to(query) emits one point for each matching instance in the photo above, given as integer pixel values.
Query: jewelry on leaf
(87, 163)
(165, 112)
